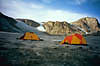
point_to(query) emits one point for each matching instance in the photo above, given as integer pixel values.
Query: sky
(51, 10)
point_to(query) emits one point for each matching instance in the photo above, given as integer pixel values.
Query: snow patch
(41, 28)
(80, 29)
(25, 27)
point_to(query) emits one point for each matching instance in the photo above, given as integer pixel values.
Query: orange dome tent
(74, 39)
(29, 36)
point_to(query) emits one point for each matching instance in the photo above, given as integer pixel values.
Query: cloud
(36, 6)
(16, 8)
(50, 15)
(61, 15)
(80, 1)
(20, 4)
(77, 2)
(20, 9)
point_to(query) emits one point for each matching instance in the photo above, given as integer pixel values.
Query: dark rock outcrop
(29, 22)
(88, 24)
(60, 28)
(8, 24)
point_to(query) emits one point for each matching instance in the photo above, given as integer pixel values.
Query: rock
(30, 22)
(88, 24)
(60, 28)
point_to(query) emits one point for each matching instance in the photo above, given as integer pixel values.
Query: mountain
(88, 24)
(29, 22)
(26, 28)
(8, 24)
(85, 25)
(61, 28)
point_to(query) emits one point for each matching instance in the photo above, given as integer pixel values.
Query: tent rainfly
(74, 39)
(29, 36)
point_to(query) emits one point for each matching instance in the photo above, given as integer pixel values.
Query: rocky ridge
(87, 25)
(60, 28)
(8, 24)
(29, 22)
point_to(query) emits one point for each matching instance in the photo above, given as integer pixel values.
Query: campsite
(58, 44)
(49, 32)
(15, 52)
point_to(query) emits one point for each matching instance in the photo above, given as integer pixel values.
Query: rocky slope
(89, 24)
(8, 24)
(60, 28)
(29, 22)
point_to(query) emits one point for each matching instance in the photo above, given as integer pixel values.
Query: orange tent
(74, 39)
(29, 36)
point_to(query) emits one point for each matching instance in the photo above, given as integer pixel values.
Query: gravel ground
(14, 52)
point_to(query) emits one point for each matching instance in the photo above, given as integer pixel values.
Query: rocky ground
(14, 52)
